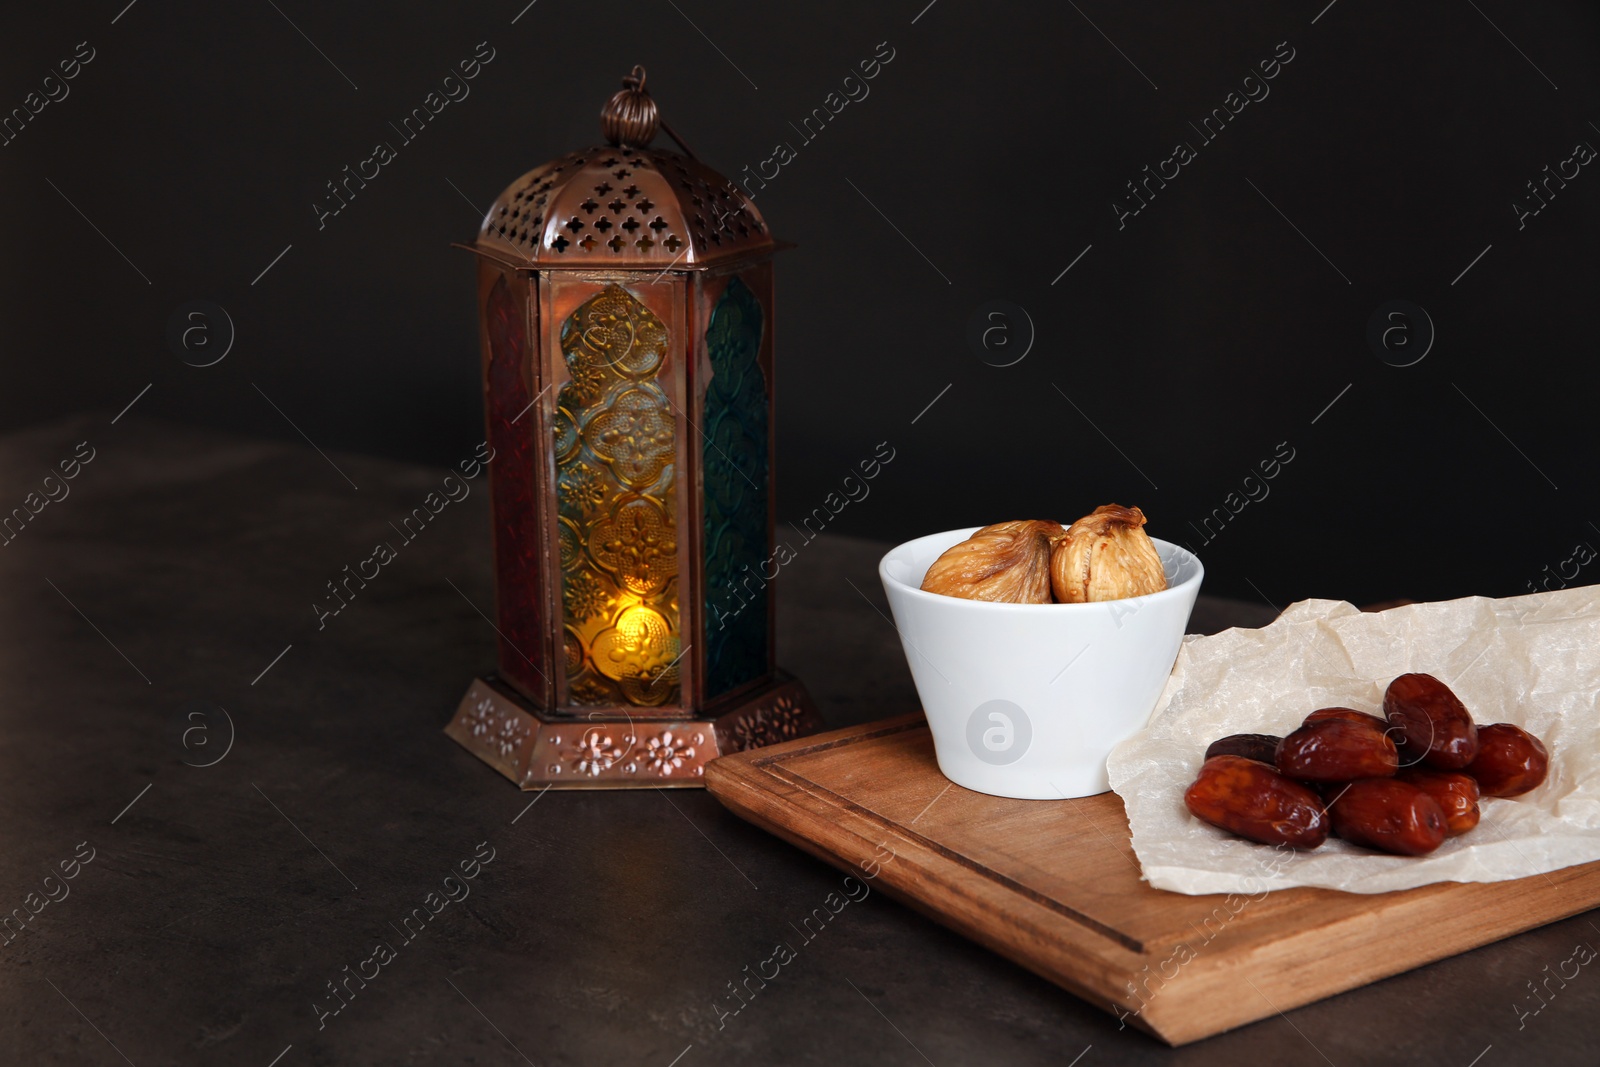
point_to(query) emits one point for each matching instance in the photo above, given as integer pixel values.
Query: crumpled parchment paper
(1530, 660)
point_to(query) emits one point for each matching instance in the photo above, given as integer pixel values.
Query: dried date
(1337, 750)
(1388, 814)
(1456, 793)
(1510, 761)
(1349, 715)
(1262, 747)
(1434, 727)
(1252, 800)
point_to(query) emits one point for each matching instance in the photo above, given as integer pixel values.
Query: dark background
(1172, 358)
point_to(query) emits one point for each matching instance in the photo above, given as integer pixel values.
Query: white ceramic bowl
(1027, 700)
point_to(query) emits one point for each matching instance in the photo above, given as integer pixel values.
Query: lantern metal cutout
(626, 301)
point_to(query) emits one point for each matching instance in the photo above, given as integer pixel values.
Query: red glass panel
(517, 541)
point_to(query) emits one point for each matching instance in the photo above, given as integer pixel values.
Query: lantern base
(537, 751)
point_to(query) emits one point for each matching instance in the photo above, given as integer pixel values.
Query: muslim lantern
(626, 302)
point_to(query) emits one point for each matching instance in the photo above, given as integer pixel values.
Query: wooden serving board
(1054, 885)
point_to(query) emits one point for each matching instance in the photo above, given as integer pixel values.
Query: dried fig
(1106, 556)
(1007, 562)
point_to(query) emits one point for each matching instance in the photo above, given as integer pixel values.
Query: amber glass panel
(616, 452)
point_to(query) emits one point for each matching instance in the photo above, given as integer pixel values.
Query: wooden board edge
(1323, 961)
(1074, 957)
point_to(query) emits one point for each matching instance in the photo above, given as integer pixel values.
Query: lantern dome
(623, 207)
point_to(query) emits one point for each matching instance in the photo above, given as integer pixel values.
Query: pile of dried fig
(1401, 783)
(1103, 556)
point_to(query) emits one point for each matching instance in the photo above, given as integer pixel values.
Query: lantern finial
(629, 117)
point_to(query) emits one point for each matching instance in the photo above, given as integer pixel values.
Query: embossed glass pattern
(616, 452)
(735, 479)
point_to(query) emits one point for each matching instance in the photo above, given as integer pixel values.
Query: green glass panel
(735, 474)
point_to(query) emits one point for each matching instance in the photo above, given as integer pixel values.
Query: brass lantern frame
(673, 237)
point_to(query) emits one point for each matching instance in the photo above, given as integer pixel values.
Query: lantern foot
(610, 750)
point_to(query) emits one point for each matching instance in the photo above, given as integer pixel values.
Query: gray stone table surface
(211, 906)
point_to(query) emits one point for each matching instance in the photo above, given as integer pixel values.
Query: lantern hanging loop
(630, 118)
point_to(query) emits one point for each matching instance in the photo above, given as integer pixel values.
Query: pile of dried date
(1401, 783)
